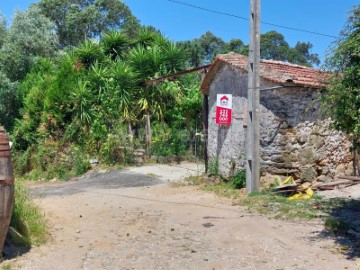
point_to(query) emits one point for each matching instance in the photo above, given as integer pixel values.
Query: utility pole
(253, 130)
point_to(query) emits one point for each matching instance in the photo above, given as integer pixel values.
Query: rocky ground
(134, 219)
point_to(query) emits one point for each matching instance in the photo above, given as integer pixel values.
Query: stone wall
(293, 139)
(309, 151)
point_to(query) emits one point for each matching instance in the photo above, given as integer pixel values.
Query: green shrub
(22, 162)
(116, 149)
(80, 162)
(179, 143)
(171, 143)
(160, 145)
(238, 180)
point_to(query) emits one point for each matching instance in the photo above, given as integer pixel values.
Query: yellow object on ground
(303, 195)
(288, 181)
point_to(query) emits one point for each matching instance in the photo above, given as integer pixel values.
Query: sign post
(223, 109)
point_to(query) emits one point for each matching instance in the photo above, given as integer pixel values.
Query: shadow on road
(343, 225)
(11, 251)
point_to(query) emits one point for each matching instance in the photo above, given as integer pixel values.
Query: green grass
(27, 219)
(269, 203)
(223, 188)
(336, 225)
(6, 266)
(280, 207)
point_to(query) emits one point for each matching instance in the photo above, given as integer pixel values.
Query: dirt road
(133, 219)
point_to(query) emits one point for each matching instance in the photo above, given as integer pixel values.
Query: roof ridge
(272, 61)
(288, 64)
(276, 71)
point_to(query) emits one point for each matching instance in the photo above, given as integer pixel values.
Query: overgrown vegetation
(342, 98)
(27, 219)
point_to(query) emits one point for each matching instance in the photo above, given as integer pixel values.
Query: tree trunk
(148, 133)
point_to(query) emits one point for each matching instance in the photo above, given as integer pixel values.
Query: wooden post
(253, 130)
(6, 187)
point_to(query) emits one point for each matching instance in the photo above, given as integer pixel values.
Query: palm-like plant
(146, 61)
(123, 86)
(98, 76)
(82, 103)
(146, 36)
(88, 52)
(115, 44)
(149, 62)
(174, 57)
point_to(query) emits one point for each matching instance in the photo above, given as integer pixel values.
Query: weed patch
(27, 218)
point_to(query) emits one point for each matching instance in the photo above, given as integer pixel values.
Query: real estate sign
(223, 109)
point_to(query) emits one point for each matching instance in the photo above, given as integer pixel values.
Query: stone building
(295, 139)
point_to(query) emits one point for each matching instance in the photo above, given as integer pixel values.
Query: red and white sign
(223, 109)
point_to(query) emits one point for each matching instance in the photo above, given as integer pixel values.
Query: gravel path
(133, 219)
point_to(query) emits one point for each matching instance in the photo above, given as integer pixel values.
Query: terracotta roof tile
(276, 71)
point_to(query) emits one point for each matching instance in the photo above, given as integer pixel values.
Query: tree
(201, 51)
(77, 20)
(301, 54)
(193, 52)
(342, 97)
(30, 36)
(212, 46)
(153, 56)
(32, 93)
(3, 30)
(9, 102)
(274, 46)
(237, 46)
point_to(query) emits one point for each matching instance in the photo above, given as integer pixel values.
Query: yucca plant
(174, 57)
(81, 99)
(124, 89)
(98, 78)
(146, 37)
(115, 44)
(88, 52)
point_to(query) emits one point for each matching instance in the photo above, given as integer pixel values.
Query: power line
(247, 19)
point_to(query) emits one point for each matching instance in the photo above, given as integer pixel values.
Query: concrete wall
(294, 141)
(226, 142)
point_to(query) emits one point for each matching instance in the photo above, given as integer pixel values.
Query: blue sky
(179, 22)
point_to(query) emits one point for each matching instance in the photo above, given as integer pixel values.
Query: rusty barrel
(6, 187)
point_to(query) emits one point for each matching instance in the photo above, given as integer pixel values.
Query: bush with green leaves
(341, 99)
(80, 162)
(173, 143)
(115, 150)
(238, 180)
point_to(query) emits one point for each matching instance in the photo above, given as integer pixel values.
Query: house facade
(295, 139)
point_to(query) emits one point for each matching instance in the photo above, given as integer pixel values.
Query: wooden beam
(161, 79)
